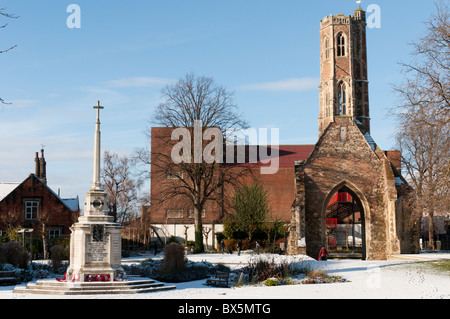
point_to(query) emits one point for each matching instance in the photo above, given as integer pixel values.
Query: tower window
(327, 48)
(342, 100)
(340, 44)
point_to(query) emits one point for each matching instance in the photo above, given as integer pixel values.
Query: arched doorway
(345, 225)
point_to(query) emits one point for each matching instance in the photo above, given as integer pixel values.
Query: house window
(54, 233)
(175, 213)
(31, 209)
(340, 44)
(191, 213)
(342, 100)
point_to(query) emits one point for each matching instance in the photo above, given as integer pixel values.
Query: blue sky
(266, 51)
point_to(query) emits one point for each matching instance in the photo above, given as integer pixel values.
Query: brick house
(24, 205)
(343, 193)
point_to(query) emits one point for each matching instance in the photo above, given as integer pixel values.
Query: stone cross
(96, 175)
(98, 107)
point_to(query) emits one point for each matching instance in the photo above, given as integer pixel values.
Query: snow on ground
(390, 279)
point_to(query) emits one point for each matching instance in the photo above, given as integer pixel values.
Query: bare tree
(425, 156)
(206, 231)
(427, 77)
(11, 16)
(423, 116)
(10, 222)
(190, 101)
(43, 221)
(121, 187)
(186, 227)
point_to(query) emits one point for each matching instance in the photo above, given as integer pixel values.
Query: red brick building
(343, 193)
(176, 216)
(27, 203)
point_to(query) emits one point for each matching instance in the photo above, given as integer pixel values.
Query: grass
(442, 265)
(318, 276)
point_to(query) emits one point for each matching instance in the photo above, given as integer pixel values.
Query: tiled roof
(72, 203)
(287, 154)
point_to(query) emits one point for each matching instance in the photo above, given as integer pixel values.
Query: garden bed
(192, 271)
(270, 273)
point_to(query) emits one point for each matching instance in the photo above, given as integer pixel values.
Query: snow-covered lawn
(366, 279)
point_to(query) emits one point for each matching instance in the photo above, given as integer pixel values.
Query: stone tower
(350, 198)
(344, 89)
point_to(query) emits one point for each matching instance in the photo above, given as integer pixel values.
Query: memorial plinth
(95, 244)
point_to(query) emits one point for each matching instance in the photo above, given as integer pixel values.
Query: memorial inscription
(98, 251)
(98, 244)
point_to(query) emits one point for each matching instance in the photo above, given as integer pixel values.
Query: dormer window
(340, 44)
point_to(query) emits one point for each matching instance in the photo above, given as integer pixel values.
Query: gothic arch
(361, 200)
(341, 44)
(342, 98)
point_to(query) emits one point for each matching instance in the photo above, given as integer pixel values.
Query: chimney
(37, 167)
(43, 165)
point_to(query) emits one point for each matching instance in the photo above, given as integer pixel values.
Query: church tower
(344, 89)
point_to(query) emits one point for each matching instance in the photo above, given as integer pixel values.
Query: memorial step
(88, 288)
(95, 285)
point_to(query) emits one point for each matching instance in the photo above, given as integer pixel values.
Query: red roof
(291, 153)
(287, 154)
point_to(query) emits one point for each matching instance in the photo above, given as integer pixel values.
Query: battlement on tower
(358, 16)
